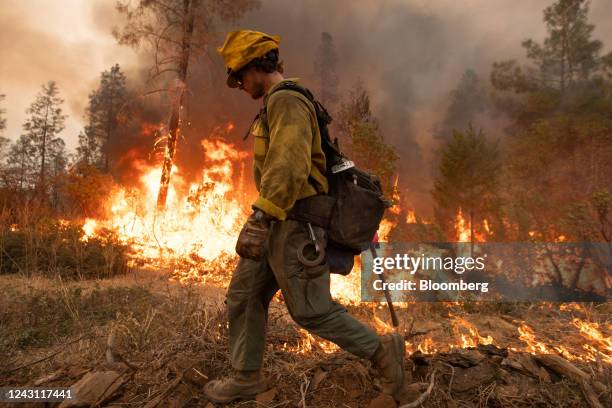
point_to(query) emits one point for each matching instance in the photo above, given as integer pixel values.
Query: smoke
(410, 54)
(68, 42)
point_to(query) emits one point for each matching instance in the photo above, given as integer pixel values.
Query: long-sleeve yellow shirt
(289, 163)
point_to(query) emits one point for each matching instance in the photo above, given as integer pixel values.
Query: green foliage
(355, 109)
(41, 316)
(560, 143)
(372, 154)
(468, 178)
(104, 122)
(567, 56)
(366, 146)
(41, 139)
(588, 221)
(21, 166)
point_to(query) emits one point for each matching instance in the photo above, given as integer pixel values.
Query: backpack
(353, 208)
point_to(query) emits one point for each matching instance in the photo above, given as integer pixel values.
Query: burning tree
(177, 31)
(468, 178)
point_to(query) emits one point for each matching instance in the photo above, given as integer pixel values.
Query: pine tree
(355, 109)
(325, 71)
(567, 55)
(21, 165)
(366, 146)
(177, 30)
(468, 178)
(105, 104)
(467, 100)
(46, 121)
(4, 141)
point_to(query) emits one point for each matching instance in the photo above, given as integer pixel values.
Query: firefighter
(289, 167)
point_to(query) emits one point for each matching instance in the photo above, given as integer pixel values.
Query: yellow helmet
(243, 46)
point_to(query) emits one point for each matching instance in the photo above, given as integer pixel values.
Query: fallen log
(563, 367)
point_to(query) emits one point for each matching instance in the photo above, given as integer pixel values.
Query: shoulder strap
(330, 148)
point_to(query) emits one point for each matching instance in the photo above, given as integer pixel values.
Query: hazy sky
(70, 41)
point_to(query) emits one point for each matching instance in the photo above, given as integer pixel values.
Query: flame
(564, 307)
(384, 229)
(201, 224)
(395, 197)
(473, 339)
(485, 225)
(195, 213)
(533, 345)
(463, 229)
(89, 228)
(427, 346)
(591, 332)
(411, 217)
(308, 343)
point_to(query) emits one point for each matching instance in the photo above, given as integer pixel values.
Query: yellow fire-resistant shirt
(289, 163)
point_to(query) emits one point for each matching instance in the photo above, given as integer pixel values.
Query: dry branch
(423, 396)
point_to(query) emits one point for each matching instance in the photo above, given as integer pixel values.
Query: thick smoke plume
(410, 54)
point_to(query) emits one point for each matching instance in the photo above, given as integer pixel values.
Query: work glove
(253, 236)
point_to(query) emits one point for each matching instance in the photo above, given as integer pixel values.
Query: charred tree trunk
(175, 117)
(43, 149)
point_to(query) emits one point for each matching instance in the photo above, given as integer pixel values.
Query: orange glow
(462, 228)
(384, 230)
(485, 225)
(411, 217)
(533, 345)
(202, 220)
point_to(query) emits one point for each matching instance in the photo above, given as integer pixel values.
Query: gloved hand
(253, 236)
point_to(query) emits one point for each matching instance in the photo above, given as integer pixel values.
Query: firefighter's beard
(258, 90)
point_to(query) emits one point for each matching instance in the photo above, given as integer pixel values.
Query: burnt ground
(142, 340)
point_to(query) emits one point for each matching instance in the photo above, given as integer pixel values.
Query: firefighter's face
(252, 82)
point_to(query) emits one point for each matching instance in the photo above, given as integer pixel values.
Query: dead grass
(171, 337)
(34, 242)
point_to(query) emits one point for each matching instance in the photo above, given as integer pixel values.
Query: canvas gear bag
(353, 208)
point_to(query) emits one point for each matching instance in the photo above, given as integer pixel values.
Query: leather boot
(388, 360)
(244, 385)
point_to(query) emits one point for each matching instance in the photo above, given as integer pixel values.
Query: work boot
(244, 385)
(388, 359)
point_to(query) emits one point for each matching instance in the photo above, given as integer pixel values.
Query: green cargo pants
(306, 294)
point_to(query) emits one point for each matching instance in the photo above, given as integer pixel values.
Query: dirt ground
(142, 340)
